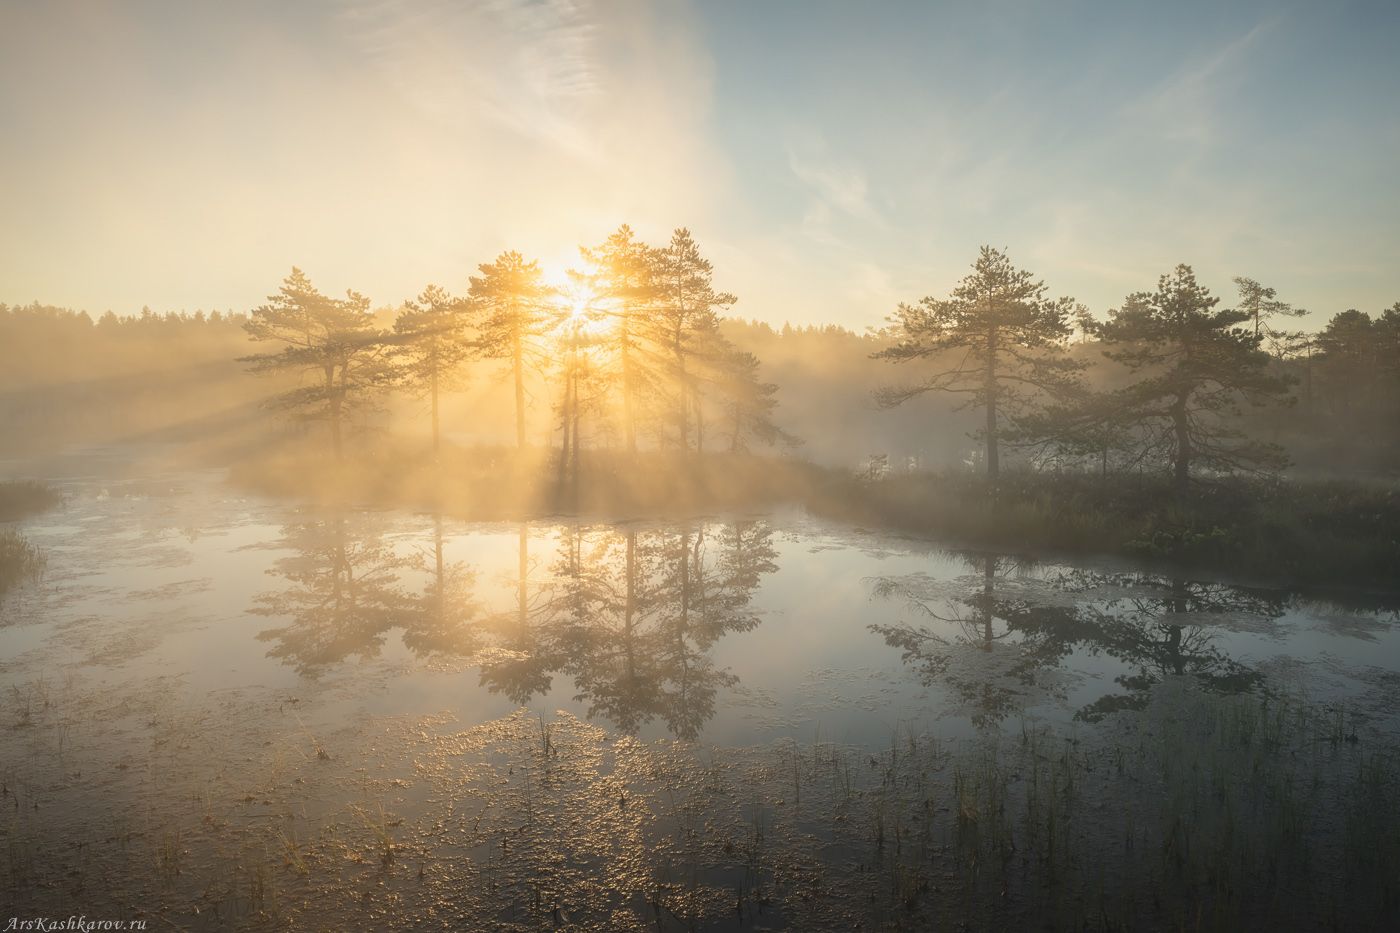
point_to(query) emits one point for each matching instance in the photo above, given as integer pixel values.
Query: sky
(831, 158)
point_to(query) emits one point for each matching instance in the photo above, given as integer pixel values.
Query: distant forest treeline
(639, 349)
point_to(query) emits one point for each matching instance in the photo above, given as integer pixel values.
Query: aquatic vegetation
(1225, 813)
(22, 498)
(20, 561)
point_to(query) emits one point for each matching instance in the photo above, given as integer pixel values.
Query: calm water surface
(190, 642)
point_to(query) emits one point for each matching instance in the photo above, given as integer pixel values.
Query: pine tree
(433, 339)
(999, 341)
(1197, 364)
(1349, 358)
(1261, 304)
(687, 320)
(333, 338)
(515, 311)
(625, 284)
(1387, 328)
(748, 404)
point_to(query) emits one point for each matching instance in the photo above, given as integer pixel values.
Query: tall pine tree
(1197, 363)
(996, 340)
(333, 339)
(516, 313)
(432, 337)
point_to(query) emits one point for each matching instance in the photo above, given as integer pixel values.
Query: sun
(579, 302)
(581, 310)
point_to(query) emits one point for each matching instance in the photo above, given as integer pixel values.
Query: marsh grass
(23, 498)
(20, 561)
(1200, 812)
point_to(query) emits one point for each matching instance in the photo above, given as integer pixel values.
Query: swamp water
(220, 711)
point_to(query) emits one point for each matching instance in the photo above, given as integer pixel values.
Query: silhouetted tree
(1387, 328)
(1085, 322)
(1088, 425)
(624, 280)
(1348, 348)
(1299, 348)
(1197, 363)
(432, 340)
(516, 314)
(998, 340)
(687, 319)
(748, 403)
(334, 339)
(1261, 304)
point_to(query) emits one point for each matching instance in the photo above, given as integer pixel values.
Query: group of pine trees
(631, 349)
(1191, 367)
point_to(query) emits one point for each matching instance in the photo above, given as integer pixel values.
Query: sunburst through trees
(626, 352)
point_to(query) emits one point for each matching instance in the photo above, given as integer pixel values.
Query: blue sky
(832, 158)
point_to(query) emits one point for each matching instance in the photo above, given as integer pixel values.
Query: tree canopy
(997, 339)
(1196, 364)
(335, 340)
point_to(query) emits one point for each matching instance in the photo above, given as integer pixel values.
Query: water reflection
(628, 613)
(445, 615)
(1000, 642)
(343, 594)
(520, 663)
(625, 618)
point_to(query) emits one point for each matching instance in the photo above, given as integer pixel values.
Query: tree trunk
(629, 414)
(990, 387)
(518, 365)
(1183, 444)
(683, 408)
(333, 401)
(682, 421)
(699, 427)
(563, 471)
(434, 390)
(574, 413)
(1308, 382)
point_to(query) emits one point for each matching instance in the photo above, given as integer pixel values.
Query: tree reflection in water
(343, 595)
(1001, 643)
(629, 613)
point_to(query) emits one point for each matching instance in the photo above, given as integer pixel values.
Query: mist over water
(223, 633)
(669, 466)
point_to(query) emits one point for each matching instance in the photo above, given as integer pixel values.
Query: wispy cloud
(835, 186)
(529, 65)
(1184, 107)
